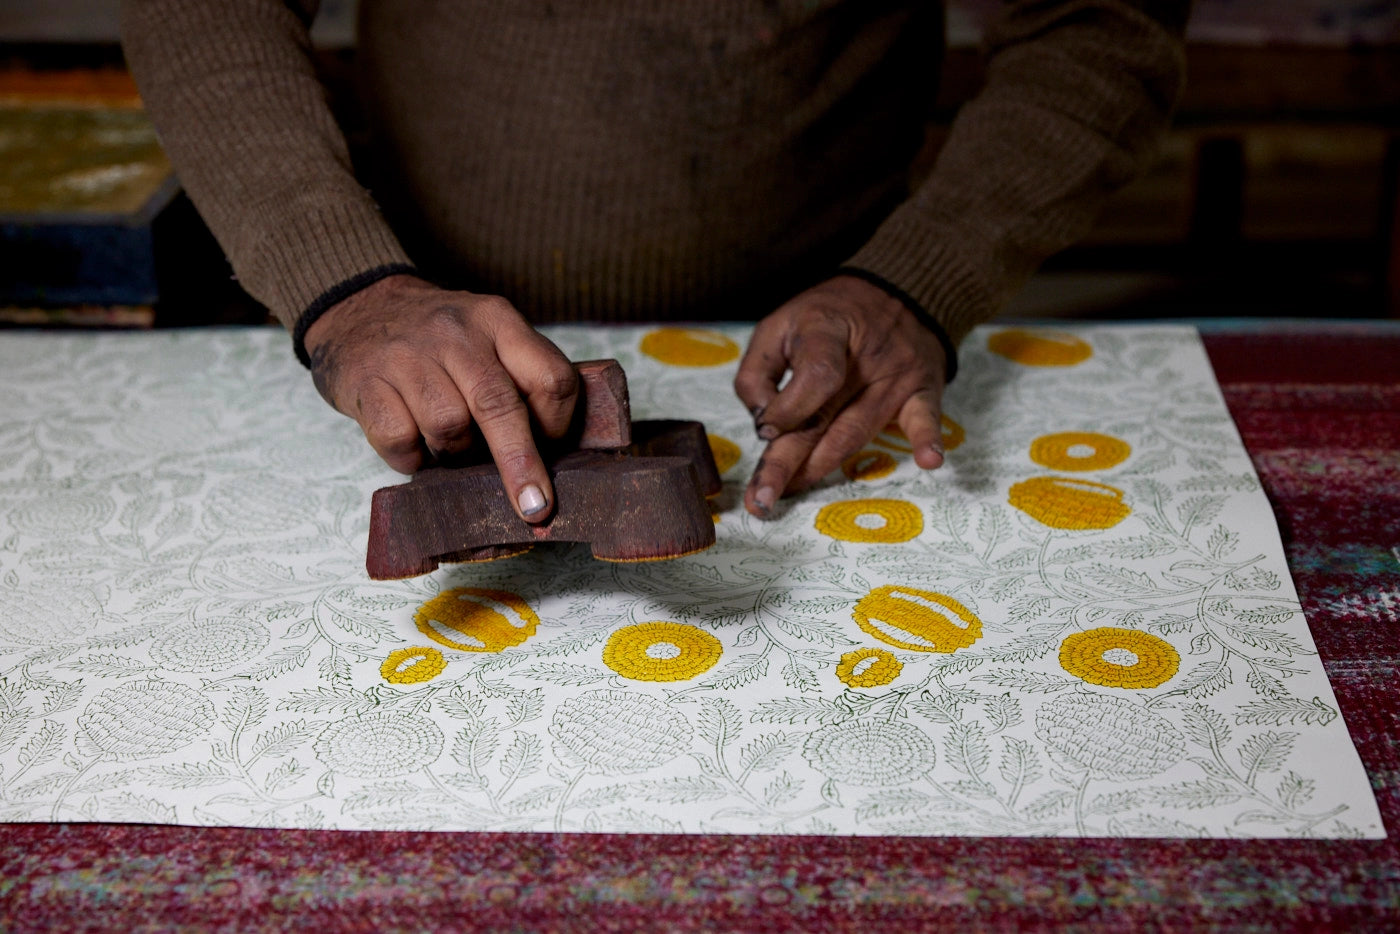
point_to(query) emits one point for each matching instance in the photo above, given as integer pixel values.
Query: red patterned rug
(1319, 409)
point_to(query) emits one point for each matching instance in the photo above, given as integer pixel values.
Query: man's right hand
(425, 371)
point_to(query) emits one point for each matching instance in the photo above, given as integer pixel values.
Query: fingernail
(757, 411)
(768, 432)
(531, 500)
(763, 499)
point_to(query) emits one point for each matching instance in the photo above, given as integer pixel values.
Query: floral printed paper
(1081, 625)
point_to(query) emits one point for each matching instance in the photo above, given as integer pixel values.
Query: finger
(543, 376)
(439, 409)
(504, 422)
(921, 420)
(762, 369)
(849, 431)
(818, 362)
(782, 460)
(388, 425)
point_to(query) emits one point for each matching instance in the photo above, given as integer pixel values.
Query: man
(545, 160)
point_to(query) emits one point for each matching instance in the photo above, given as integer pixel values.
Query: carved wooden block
(633, 492)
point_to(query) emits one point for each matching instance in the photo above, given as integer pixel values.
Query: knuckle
(494, 399)
(558, 383)
(494, 306)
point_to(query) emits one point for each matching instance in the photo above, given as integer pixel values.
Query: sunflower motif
(413, 665)
(870, 520)
(1108, 737)
(917, 620)
(47, 616)
(689, 347)
(63, 512)
(871, 752)
(1039, 348)
(868, 668)
(619, 732)
(472, 619)
(263, 508)
(1069, 503)
(1119, 658)
(868, 465)
(379, 745)
(726, 452)
(145, 719)
(661, 651)
(212, 644)
(1079, 450)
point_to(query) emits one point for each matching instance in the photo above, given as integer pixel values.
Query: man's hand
(420, 367)
(859, 359)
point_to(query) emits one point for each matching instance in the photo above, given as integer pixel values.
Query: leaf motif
(325, 700)
(800, 676)
(1197, 794)
(719, 721)
(1032, 682)
(819, 710)
(526, 705)
(565, 673)
(1267, 751)
(284, 776)
(1294, 791)
(1270, 615)
(524, 756)
(108, 666)
(767, 751)
(1280, 711)
(1002, 711)
(1020, 763)
(283, 738)
(782, 790)
(185, 775)
(280, 662)
(63, 697)
(461, 705)
(681, 789)
(967, 749)
(1137, 547)
(1206, 679)
(740, 672)
(130, 806)
(1205, 726)
(245, 709)
(44, 746)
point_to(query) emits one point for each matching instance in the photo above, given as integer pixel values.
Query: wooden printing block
(632, 491)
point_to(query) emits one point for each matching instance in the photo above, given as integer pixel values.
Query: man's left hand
(859, 360)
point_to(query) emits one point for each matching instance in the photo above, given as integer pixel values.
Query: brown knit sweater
(640, 160)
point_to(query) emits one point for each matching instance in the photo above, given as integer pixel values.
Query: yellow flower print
(868, 668)
(870, 520)
(1039, 348)
(475, 615)
(689, 347)
(1079, 450)
(413, 665)
(726, 452)
(661, 651)
(868, 465)
(918, 620)
(1119, 658)
(953, 433)
(1069, 503)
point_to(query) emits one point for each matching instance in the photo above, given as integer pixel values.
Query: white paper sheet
(1081, 625)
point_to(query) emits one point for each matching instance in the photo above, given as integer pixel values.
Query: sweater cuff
(314, 248)
(337, 294)
(950, 351)
(922, 264)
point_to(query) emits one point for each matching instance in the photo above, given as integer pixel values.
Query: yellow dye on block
(726, 452)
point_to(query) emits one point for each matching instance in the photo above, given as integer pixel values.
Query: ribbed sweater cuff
(316, 248)
(950, 351)
(922, 264)
(336, 294)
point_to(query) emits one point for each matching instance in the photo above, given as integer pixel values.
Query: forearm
(234, 95)
(1076, 100)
